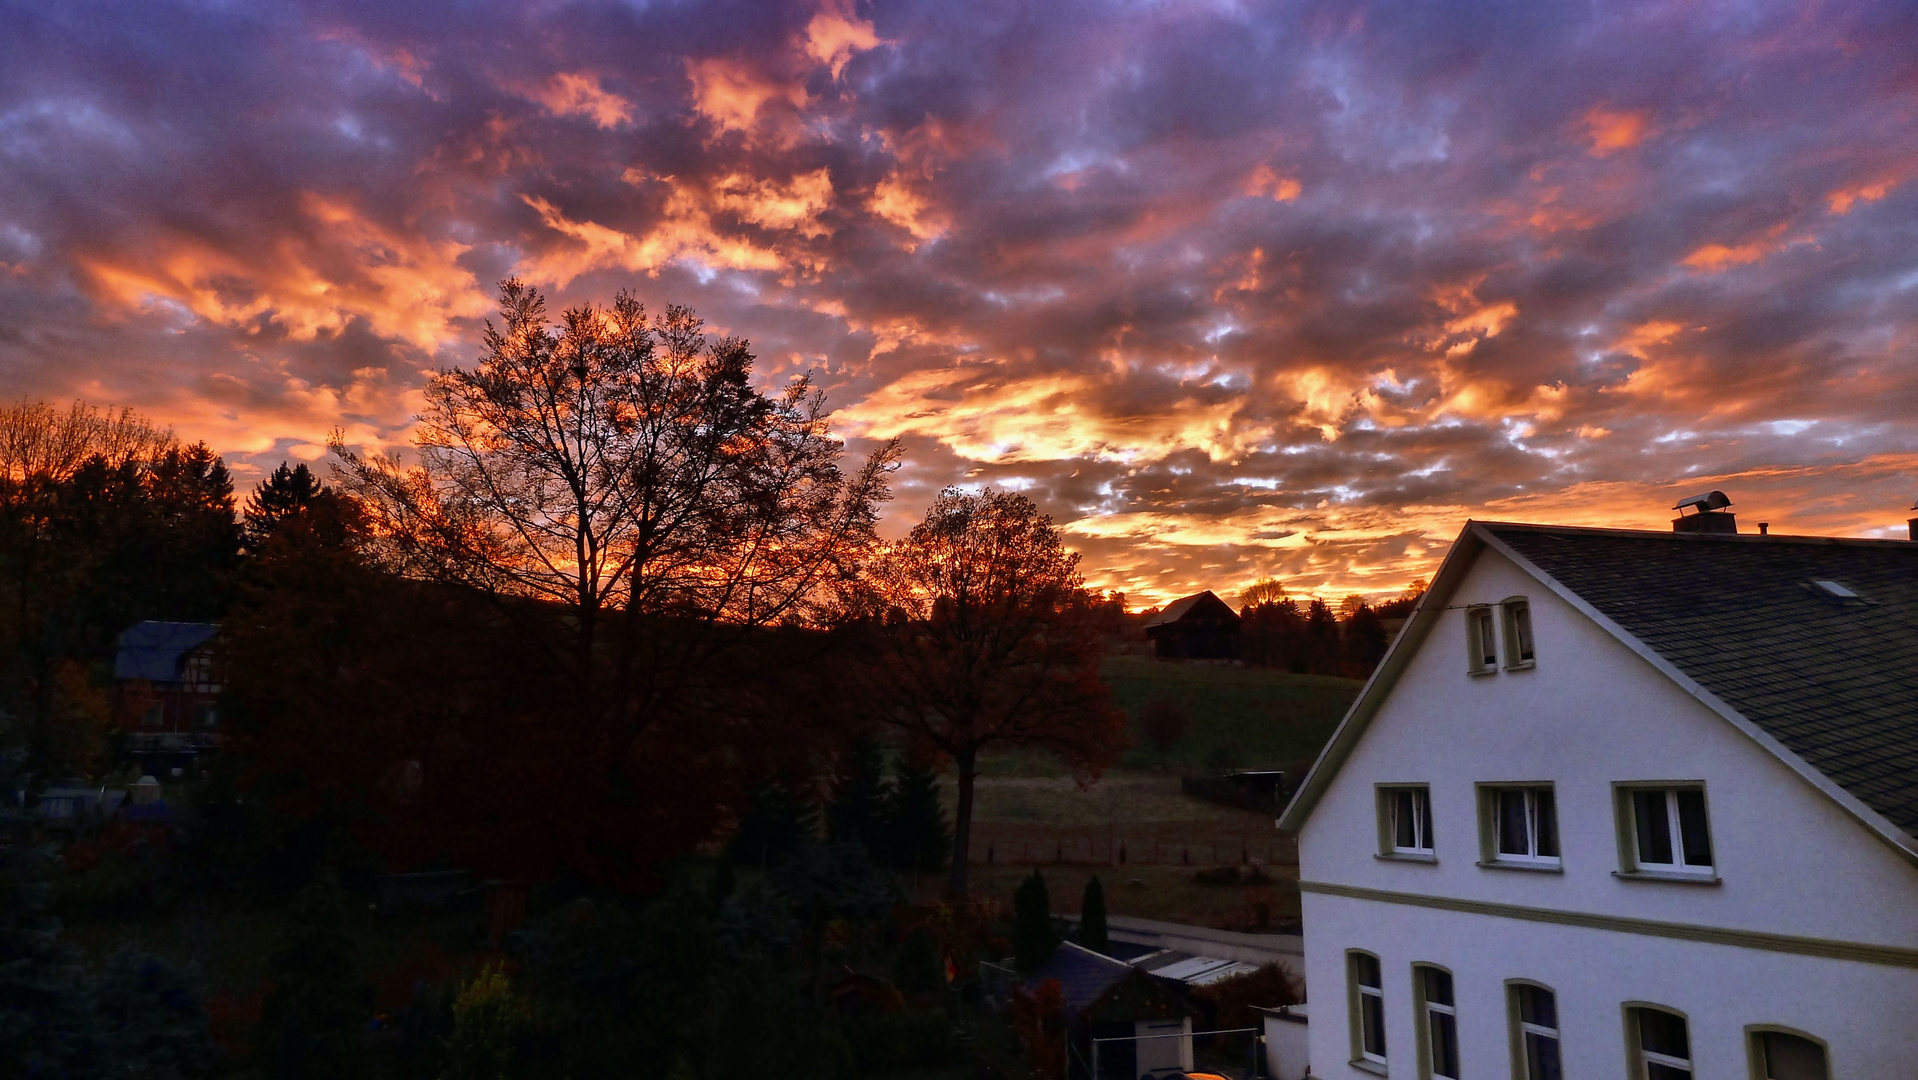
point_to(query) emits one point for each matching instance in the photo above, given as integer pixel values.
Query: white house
(1626, 805)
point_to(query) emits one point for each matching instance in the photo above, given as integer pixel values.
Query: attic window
(1481, 640)
(1518, 632)
(1835, 589)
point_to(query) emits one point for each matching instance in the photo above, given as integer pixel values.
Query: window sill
(1522, 665)
(1660, 875)
(1536, 868)
(1481, 671)
(1407, 856)
(1376, 1068)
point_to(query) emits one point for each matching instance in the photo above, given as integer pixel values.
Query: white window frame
(1633, 860)
(1490, 820)
(1521, 645)
(1521, 1057)
(1426, 1009)
(1359, 992)
(1481, 640)
(1755, 1047)
(1421, 822)
(1641, 1058)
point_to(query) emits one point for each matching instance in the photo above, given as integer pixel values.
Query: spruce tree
(1092, 916)
(1032, 936)
(774, 825)
(316, 1014)
(917, 837)
(858, 811)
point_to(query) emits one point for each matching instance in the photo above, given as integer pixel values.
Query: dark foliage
(916, 837)
(316, 1012)
(1092, 916)
(1033, 937)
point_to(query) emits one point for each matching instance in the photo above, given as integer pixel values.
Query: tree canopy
(979, 634)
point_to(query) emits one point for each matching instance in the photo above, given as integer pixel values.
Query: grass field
(1028, 813)
(1248, 718)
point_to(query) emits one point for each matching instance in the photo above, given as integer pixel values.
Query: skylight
(1835, 589)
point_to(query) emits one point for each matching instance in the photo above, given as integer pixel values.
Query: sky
(1231, 290)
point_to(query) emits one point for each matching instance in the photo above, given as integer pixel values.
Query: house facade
(1626, 805)
(168, 693)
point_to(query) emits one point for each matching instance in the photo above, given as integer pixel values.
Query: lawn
(1164, 837)
(1240, 718)
(1246, 718)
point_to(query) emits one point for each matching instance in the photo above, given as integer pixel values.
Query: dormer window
(1518, 632)
(1481, 639)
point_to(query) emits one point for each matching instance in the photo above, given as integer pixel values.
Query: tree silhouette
(1092, 916)
(976, 634)
(1033, 938)
(647, 527)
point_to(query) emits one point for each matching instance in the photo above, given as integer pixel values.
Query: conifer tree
(1092, 916)
(858, 813)
(917, 837)
(1032, 936)
(315, 1014)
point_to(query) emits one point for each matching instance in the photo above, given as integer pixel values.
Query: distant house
(1199, 627)
(169, 692)
(1148, 1020)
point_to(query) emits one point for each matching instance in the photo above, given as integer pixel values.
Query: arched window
(1437, 1011)
(1366, 999)
(1783, 1054)
(1534, 1012)
(1660, 1041)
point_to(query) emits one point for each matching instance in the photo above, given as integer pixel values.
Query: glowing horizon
(1231, 290)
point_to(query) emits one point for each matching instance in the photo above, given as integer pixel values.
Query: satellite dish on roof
(1711, 500)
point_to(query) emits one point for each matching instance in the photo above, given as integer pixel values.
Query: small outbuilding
(1198, 627)
(1143, 1024)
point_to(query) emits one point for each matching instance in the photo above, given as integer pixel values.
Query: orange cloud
(1266, 181)
(1612, 130)
(898, 201)
(983, 412)
(731, 94)
(835, 35)
(405, 285)
(1841, 201)
(570, 94)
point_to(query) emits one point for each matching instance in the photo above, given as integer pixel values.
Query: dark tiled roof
(1833, 679)
(154, 650)
(1180, 608)
(1084, 976)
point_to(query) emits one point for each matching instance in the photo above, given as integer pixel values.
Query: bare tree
(980, 635)
(621, 469)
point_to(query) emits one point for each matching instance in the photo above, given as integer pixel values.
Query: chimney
(1710, 516)
(1912, 525)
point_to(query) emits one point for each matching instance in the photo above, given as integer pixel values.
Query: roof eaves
(1879, 825)
(1465, 551)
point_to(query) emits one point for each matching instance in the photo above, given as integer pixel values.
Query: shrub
(1164, 725)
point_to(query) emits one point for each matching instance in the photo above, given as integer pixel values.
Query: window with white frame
(1405, 820)
(1535, 1033)
(1787, 1055)
(1518, 632)
(1481, 639)
(1368, 1007)
(1661, 1044)
(1520, 824)
(1666, 830)
(1438, 1022)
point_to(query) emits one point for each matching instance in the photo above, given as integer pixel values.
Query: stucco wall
(1590, 713)
(1867, 1013)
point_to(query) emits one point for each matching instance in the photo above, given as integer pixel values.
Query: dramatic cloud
(1232, 289)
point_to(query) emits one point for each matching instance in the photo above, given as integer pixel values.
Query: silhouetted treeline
(104, 520)
(1277, 631)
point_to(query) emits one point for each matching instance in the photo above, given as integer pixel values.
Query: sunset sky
(1231, 290)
